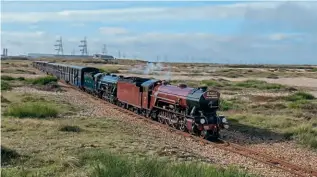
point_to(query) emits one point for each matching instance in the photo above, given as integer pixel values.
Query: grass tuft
(226, 105)
(32, 109)
(262, 85)
(305, 134)
(70, 128)
(5, 85)
(108, 164)
(7, 78)
(4, 100)
(109, 70)
(300, 96)
(43, 80)
(212, 83)
(7, 155)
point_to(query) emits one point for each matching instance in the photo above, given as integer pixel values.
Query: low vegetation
(109, 164)
(33, 110)
(223, 84)
(8, 155)
(4, 100)
(262, 85)
(70, 128)
(5, 85)
(109, 70)
(43, 80)
(299, 96)
(10, 78)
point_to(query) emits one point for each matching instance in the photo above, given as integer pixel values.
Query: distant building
(104, 57)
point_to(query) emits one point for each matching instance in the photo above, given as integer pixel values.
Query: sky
(244, 32)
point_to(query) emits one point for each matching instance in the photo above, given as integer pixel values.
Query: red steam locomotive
(192, 110)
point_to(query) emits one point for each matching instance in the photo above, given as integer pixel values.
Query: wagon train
(192, 110)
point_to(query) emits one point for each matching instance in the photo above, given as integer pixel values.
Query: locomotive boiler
(189, 109)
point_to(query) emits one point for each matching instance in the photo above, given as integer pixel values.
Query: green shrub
(5, 85)
(299, 96)
(43, 80)
(32, 109)
(109, 164)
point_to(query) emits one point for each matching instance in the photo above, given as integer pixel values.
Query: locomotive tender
(192, 110)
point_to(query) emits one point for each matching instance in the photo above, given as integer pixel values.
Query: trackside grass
(305, 132)
(262, 85)
(5, 85)
(42, 80)
(300, 96)
(114, 165)
(32, 109)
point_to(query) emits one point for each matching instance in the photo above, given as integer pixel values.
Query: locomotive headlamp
(202, 121)
(226, 126)
(224, 120)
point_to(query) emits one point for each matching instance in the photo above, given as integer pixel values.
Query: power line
(119, 54)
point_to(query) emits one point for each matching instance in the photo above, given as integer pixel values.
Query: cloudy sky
(225, 32)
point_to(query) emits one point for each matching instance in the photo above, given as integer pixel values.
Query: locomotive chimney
(182, 85)
(203, 88)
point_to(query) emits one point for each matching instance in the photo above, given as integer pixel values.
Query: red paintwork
(129, 93)
(189, 124)
(145, 100)
(170, 94)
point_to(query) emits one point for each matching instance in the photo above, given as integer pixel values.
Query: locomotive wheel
(204, 134)
(182, 125)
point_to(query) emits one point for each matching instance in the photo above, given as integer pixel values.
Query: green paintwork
(89, 82)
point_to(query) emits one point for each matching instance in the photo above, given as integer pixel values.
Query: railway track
(231, 147)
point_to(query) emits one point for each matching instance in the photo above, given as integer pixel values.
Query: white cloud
(112, 30)
(285, 36)
(77, 24)
(15, 34)
(156, 13)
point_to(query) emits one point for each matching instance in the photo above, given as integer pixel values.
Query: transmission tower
(83, 47)
(119, 54)
(104, 49)
(59, 46)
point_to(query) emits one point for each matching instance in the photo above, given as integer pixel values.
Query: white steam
(153, 68)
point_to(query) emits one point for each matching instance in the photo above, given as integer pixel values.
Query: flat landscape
(51, 129)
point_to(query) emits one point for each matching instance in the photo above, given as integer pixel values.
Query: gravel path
(286, 150)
